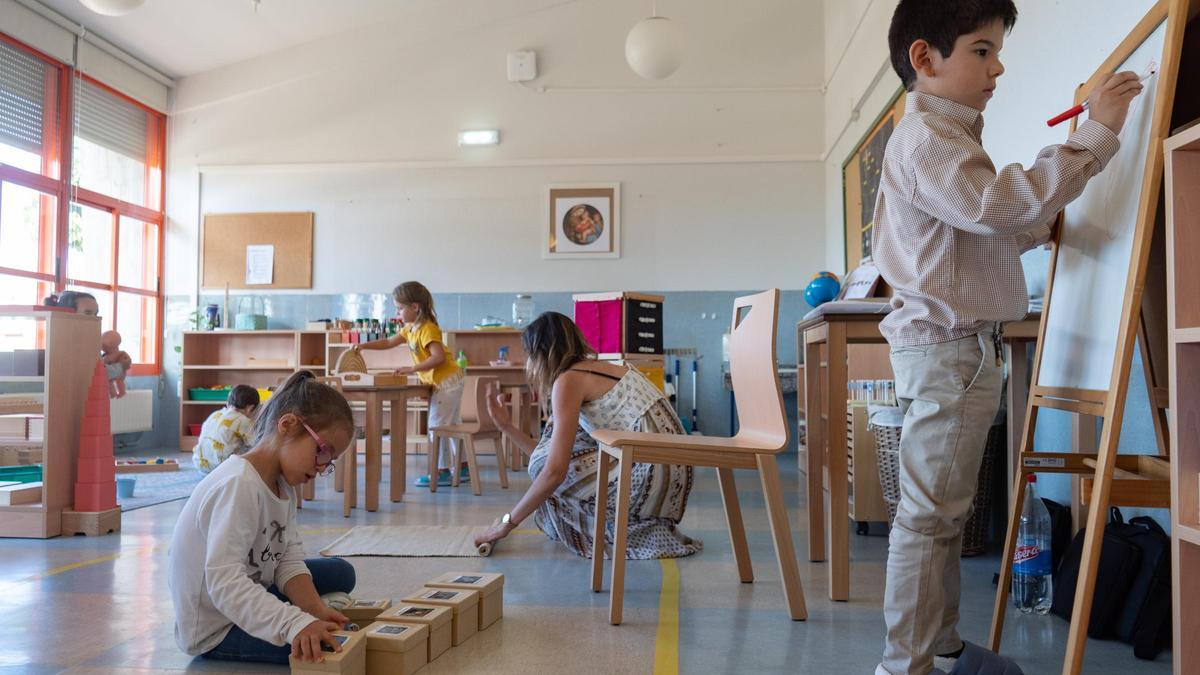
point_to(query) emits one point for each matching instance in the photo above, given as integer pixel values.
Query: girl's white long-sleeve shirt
(233, 540)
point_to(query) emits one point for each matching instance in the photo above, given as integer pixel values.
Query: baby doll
(116, 362)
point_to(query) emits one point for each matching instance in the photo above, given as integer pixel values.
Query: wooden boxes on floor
(352, 660)
(439, 620)
(464, 606)
(396, 648)
(490, 587)
(363, 612)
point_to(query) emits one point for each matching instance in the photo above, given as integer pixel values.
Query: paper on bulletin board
(260, 263)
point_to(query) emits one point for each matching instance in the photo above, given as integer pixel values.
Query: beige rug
(407, 541)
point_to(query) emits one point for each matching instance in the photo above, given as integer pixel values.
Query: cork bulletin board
(225, 236)
(860, 182)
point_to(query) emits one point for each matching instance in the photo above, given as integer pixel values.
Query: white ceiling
(185, 37)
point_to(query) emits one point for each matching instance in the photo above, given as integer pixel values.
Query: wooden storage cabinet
(862, 466)
(72, 348)
(261, 359)
(621, 322)
(1182, 157)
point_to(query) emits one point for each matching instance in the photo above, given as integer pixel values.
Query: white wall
(1053, 48)
(719, 165)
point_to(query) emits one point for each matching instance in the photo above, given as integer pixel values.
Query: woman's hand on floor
(493, 534)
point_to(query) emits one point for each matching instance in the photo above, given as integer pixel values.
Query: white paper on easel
(260, 263)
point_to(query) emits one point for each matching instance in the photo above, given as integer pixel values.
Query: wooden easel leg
(1017, 503)
(1092, 539)
(602, 468)
(737, 530)
(1083, 440)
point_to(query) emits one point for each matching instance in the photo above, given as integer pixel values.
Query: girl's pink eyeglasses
(324, 453)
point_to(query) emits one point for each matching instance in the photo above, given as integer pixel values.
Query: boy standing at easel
(949, 231)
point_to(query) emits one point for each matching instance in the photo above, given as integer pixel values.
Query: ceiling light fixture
(479, 137)
(112, 7)
(654, 47)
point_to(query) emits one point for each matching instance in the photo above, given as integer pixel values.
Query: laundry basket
(886, 425)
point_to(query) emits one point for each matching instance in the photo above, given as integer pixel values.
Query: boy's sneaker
(444, 479)
(464, 475)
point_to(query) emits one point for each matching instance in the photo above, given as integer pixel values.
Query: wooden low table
(826, 441)
(373, 397)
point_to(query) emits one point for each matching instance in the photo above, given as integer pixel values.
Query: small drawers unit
(621, 322)
(490, 587)
(464, 606)
(439, 621)
(396, 648)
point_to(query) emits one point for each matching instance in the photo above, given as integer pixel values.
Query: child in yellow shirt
(227, 431)
(432, 364)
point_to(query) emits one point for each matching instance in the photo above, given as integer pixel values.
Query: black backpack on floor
(1119, 562)
(1145, 618)
(1132, 600)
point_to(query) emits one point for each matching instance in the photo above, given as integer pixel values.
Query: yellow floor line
(87, 563)
(666, 643)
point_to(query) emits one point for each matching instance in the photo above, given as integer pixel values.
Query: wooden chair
(476, 425)
(762, 435)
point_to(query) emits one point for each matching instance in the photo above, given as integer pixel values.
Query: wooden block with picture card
(364, 611)
(439, 620)
(352, 660)
(464, 607)
(490, 586)
(396, 648)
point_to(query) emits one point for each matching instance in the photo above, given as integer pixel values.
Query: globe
(821, 290)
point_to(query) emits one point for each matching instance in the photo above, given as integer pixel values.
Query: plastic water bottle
(1032, 587)
(461, 361)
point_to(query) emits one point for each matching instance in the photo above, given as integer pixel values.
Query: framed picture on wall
(583, 221)
(860, 182)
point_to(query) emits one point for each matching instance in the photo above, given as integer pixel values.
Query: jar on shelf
(522, 311)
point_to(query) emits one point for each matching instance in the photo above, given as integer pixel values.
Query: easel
(1106, 404)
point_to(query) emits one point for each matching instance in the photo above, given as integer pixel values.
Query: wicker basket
(887, 454)
(975, 531)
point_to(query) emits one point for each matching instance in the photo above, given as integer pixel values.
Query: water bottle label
(1031, 559)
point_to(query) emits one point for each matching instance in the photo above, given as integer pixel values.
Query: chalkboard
(860, 182)
(1092, 268)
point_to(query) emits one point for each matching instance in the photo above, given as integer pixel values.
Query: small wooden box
(363, 612)
(396, 648)
(490, 587)
(352, 660)
(439, 620)
(464, 606)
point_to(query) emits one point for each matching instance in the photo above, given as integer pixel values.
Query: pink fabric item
(600, 323)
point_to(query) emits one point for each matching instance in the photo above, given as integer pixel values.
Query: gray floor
(99, 605)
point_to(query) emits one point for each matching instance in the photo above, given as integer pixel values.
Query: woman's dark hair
(67, 299)
(553, 344)
(318, 405)
(940, 23)
(242, 395)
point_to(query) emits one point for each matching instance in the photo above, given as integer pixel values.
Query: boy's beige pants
(949, 393)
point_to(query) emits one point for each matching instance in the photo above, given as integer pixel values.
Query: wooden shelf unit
(483, 346)
(72, 343)
(1182, 155)
(213, 358)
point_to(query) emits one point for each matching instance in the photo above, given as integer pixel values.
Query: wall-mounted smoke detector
(522, 66)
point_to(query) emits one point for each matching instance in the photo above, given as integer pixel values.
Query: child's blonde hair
(415, 293)
(553, 344)
(318, 405)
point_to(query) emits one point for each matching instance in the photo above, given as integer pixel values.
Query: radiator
(132, 412)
